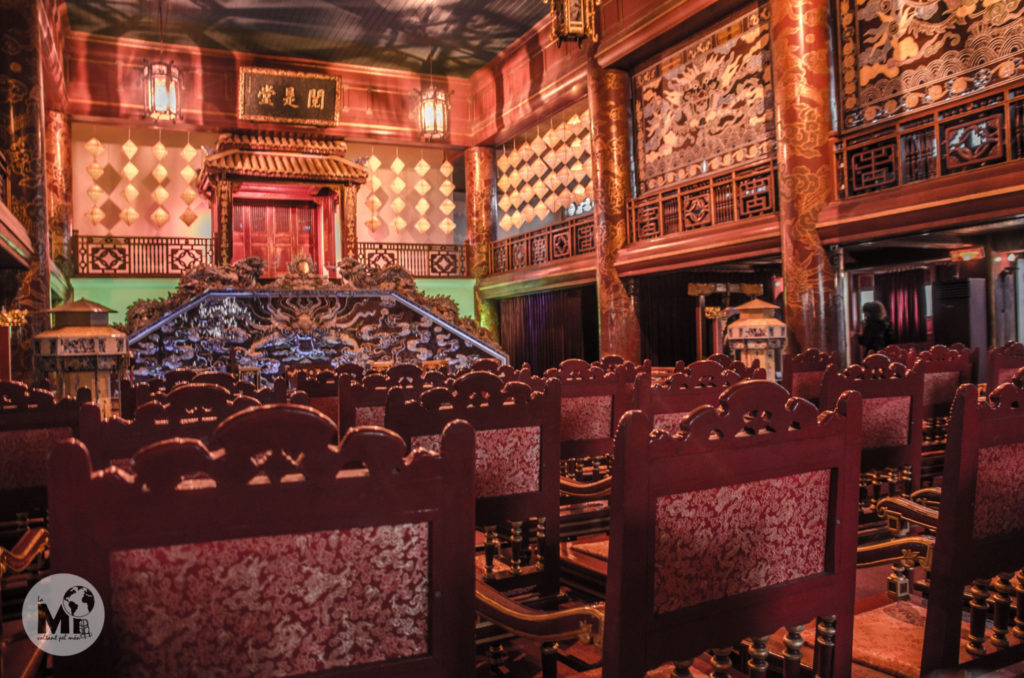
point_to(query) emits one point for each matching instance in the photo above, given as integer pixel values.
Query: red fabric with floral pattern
(807, 384)
(507, 460)
(274, 605)
(23, 455)
(886, 422)
(669, 421)
(999, 493)
(586, 417)
(723, 541)
(940, 387)
(370, 416)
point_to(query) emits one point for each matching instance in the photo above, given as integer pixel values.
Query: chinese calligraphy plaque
(269, 95)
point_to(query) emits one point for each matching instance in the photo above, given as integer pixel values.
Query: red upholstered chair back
(189, 410)
(893, 396)
(361, 401)
(666, 404)
(255, 556)
(803, 373)
(517, 449)
(1003, 362)
(943, 370)
(32, 422)
(593, 401)
(743, 522)
(981, 515)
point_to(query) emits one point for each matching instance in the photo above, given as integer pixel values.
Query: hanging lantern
(574, 19)
(161, 82)
(434, 113)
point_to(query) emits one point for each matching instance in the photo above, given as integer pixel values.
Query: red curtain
(545, 329)
(902, 293)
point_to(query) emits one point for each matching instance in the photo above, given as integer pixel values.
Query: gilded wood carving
(898, 56)
(707, 105)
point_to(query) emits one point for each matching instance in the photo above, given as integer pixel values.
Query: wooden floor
(522, 659)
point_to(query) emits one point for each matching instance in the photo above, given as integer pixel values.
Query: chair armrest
(928, 496)
(898, 511)
(585, 624)
(910, 551)
(593, 490)
(34, 542)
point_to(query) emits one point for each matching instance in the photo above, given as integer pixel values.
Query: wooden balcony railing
(422, 261)
(714, 199)
(138, 257)
(973, 132)
(558, 241)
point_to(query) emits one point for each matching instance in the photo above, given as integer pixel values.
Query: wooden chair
(135, 395)
(900, 354)
(943, 369)
(516, 468)
(351, 368)
(322, 388)
(665, 405)
(361, 402)
(505, 371)
(228, 381)
(176, 377)
(741, 523)
(32, 421)
(1003, 362)
(699, 383)
(593, 401)
(255, 556)
(191, 410)
(611, 363)
(754, 371)
(20, 657)
(979, 542)
(891, 427)
(802, 373)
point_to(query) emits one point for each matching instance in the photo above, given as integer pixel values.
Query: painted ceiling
(459, 35)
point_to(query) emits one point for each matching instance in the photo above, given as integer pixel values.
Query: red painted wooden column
(479, 221)
(608, 92)
(53, 28)
(800, 63)
(22, 131)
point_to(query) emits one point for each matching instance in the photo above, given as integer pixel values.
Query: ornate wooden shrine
(221, 318)
(278, 196)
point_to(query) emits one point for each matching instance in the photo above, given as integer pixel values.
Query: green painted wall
(120, 293)
(459, 289)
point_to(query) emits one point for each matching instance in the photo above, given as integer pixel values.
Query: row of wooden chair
(740, 523)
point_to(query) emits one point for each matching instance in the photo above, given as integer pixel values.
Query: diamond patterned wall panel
(550, 172)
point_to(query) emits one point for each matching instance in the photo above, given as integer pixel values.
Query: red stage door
(276, 231)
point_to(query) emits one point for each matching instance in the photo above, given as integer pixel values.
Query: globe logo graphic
(78, 601)
(63, 614)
